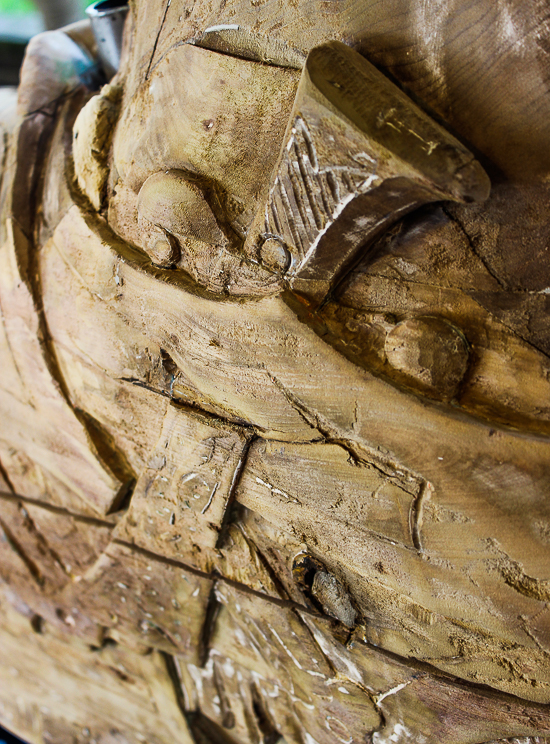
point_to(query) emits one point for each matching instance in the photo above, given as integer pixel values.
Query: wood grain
(274, 377)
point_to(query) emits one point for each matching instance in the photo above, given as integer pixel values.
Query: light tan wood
(274, 344)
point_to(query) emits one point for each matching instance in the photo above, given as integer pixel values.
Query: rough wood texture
(274, 352)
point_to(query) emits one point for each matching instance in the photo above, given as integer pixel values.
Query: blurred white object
(107, 17)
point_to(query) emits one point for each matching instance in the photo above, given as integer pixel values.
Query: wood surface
(274, 353)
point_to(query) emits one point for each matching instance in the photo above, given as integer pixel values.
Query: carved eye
(174, 215)
(275, 255)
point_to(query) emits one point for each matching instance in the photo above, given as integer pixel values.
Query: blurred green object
(21, 7)
(17, 7)
(21, 19)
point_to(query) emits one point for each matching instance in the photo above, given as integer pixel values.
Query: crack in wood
(313, 204)
(46, 547)
(18, 549)
(211, 576)
(9, 343)
(5, 476)
(215, 420)
(264, 723)
(213, 608)
(420, 666)
(169, 2)
(514, 575)
(174, 674)
(373, 736)
(278, 584)
(532, 636)
(206, 731)
(416, 514)
(50, 109)
(62, 511)
(236, 479)
(360, 452)
(228, 717)
(454, 219)
(423, 667)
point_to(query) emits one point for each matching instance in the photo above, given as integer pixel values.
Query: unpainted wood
(271, 480)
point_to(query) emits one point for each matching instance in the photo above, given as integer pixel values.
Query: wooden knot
(430, 353)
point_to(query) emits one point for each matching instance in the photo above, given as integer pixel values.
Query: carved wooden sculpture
(274, 389)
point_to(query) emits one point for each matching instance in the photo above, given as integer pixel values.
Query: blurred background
(7, 738)
(21, 19)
